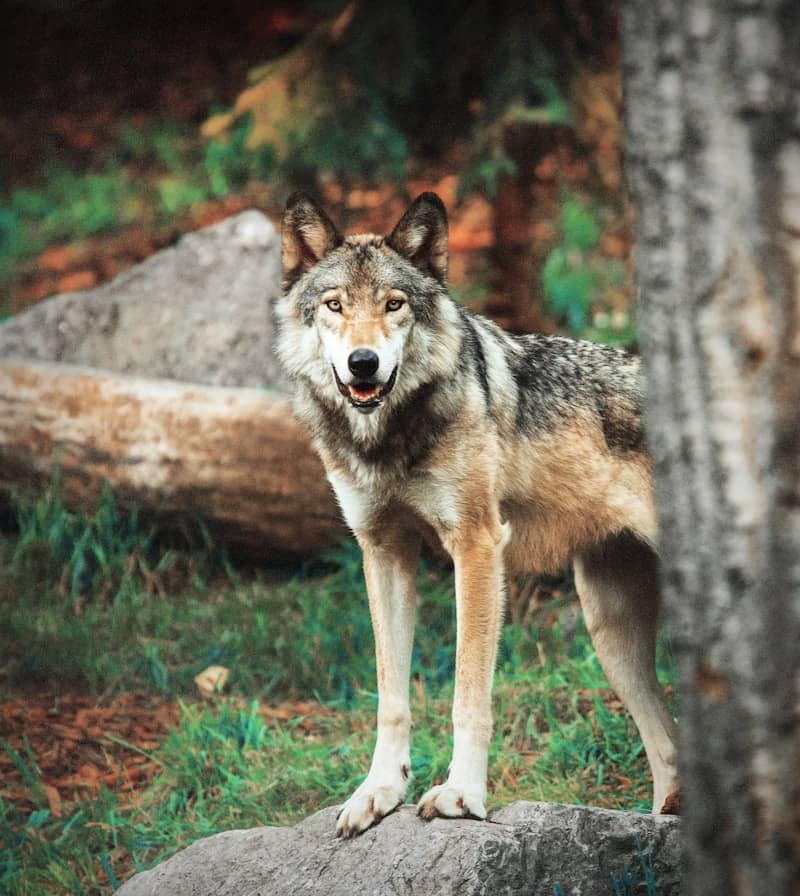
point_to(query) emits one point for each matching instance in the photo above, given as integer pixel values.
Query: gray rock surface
(525, 848)
(199, 311)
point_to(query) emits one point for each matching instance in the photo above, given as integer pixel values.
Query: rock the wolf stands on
(525, 848)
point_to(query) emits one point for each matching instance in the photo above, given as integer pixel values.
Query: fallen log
(235, 459)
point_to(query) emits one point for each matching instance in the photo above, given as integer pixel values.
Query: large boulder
(526, 848)
(200, 311)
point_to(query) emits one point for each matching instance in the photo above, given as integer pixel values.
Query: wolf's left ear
(421, 236)
(308, 235)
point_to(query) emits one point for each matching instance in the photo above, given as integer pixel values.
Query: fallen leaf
(57, 258)
(53, 799)
(76, 281)
(88, 775)
(211, 680)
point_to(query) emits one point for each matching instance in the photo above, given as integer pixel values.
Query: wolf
(512, 453)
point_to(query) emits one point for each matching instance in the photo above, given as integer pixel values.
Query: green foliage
(228, 166)
(523, 94)
(580, 229)
(9, 235)
(85, 600)
(66, 206)
(570, 280)
(174, 170)
(10, 238)
(522, 88)
(576, 277)
(78, 586)
(358, 140)
(195, 171)
(484, 172)
(354, 104)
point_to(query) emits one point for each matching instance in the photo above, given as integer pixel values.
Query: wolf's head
(351, 303)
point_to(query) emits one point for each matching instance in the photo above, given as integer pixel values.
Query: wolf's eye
(334, 305)
(394, 304)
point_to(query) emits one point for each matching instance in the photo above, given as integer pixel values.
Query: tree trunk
(712, 106)
(234, 459)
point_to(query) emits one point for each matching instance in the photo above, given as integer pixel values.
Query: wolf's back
(558, 378)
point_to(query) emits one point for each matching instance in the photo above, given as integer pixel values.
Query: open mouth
(365, 396)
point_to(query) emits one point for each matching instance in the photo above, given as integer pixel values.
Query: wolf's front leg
(479, 598)
(390, 568)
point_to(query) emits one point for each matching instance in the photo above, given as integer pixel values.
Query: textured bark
(713, 115)
(235, 459)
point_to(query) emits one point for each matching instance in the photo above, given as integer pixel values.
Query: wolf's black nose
(363, 362)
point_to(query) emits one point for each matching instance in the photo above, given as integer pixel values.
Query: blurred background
(126, 123)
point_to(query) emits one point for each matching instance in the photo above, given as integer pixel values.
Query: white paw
(366, 807)
(449, 801)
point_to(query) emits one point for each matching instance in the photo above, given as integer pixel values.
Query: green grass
(90, 599)
(153, 622)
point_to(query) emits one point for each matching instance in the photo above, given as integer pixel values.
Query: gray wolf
(512, 452)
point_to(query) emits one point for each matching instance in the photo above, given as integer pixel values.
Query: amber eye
(334, 305)
(394, 304)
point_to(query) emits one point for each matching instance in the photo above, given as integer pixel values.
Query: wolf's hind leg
(617, 584)
(390, 567)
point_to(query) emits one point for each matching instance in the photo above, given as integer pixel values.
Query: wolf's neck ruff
(391, 442)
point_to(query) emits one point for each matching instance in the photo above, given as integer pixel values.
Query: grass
(153, 620)
(90, 599)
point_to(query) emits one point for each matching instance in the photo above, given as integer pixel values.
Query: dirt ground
(75, 742)
(78, 742)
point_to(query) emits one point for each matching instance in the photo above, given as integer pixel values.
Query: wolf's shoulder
(557, 379)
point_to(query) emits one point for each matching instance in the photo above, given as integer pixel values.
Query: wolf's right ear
(308, 235)
(421, 236)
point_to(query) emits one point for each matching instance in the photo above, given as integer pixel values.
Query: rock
(525, 848)
(200, 311)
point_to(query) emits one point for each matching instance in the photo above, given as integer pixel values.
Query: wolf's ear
(308, 235)
(421, 236)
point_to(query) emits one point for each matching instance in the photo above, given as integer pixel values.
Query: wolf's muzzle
(365, 396)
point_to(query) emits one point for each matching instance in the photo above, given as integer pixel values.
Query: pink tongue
(364, 392)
